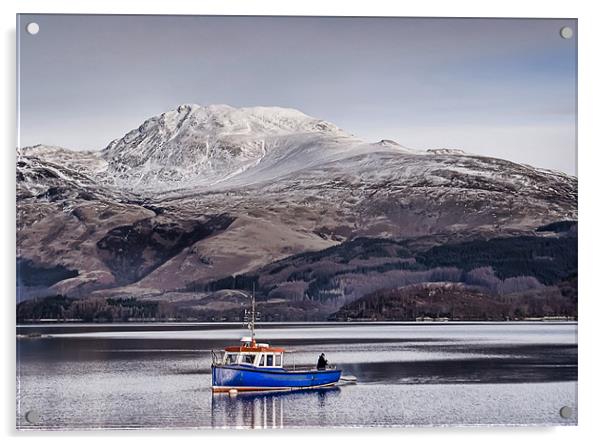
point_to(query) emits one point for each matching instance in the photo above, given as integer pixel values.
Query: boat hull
(242, 378)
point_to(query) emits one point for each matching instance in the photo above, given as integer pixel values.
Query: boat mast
(252, 324)
(250, 316)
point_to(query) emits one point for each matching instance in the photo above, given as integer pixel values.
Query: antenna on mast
(251, 317)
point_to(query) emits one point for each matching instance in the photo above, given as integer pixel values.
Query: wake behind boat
(256, 366)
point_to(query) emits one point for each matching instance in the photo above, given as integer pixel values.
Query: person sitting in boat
(322, 362)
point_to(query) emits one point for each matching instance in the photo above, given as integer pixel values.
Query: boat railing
(306, 368)
(216, 359)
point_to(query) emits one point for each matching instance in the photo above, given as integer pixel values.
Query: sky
(496, 87)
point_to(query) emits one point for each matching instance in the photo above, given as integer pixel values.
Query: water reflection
(263, 410)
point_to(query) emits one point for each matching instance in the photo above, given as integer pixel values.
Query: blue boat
(256, 366)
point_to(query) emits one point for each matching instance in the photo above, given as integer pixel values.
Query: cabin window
(230, 359)
(248, 359)
(269, 360)
(278, 360)
(262, 360)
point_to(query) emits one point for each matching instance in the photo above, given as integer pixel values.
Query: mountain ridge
(204, 146)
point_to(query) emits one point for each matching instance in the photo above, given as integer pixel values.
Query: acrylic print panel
(229, 222)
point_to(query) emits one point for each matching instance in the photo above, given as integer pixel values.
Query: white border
(590, 165)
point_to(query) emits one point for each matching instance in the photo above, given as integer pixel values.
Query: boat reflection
(262, 409)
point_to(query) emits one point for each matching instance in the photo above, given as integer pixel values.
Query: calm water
(150, 376)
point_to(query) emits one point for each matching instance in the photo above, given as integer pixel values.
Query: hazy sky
(504, 88)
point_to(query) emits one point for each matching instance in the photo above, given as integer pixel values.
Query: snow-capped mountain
(204, 146)
(197, 194)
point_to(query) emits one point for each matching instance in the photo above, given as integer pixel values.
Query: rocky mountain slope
(200, 194)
